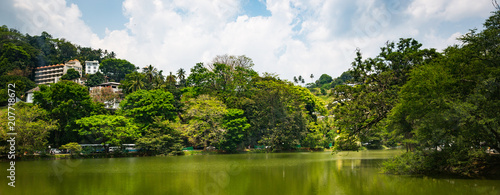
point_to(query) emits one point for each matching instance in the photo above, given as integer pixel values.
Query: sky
(286, 37)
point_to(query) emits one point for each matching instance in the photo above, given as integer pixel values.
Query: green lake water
(263, 173)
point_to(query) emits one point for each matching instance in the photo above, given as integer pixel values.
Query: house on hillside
(92, 67)
(30, 93)
(108, 93)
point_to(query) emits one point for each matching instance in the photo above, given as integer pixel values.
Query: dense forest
(442, 107)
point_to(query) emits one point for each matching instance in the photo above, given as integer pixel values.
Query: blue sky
(287, 37)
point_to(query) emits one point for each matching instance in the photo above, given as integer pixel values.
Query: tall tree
(144, 106)
(205, 115)
(133, 82)
(362, 107)
(95, 79)
(181, 75)
(66, 102)
(171, 80)
(162, 137)
(116, 69)
(108, 129)
(71, 74)
(32, 128)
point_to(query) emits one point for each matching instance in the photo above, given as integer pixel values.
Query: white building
(29, 97)
(53, 73)
(92, 67)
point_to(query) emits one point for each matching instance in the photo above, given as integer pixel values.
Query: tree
(451, 105)
(144, 106)
(230, 83)
(161, 137)
(154, 78)
(232, 61)
(108, 129)
(362, 109)
(104, 95)
(171, 80)
(343, 79)
(181, 75)
(73, 147)
(205, 115)
(279, 113)
(116, 69)
(71, 74)
(133, 82)
(66, 101)
(235, 125)
(23, 84)
(324, 79)
(32, 127)
(95, 79)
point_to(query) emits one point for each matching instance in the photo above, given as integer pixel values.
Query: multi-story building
(52, 73)
(92, 67)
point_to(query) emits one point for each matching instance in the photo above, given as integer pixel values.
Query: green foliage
(66, 102)
(343, 79)
(144, 106)
(161, 138)
(32, 128)
(205, 115)
(95, 79)
(116, 69)
(320, 134)
(278, 113)
(20, 54)
(108, 129)
(133, 82)
(362, 109)
(324, 79)
(73, 147)
(236, 126)
(23, 84)
(70, 75)
(344, 142)
(449, 108)
(228, 78)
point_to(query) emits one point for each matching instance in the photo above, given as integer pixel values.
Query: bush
(346, 143)
(73, 147)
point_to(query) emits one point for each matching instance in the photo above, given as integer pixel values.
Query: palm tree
(312, 77)
(159, 80)
(171, 79)
(150, 72)
(295, 79)
(181, 75)
(135, 82)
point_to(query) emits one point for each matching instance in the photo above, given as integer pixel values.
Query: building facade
(53, 73)
(92, 67)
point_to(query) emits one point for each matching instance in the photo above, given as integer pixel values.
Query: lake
(259, 173)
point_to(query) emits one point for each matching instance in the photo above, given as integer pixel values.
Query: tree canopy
(116, 69)
(66, 102)
(71, 74)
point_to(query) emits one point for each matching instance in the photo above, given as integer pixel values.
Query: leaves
(108, 129)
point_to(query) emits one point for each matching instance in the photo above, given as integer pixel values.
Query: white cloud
(299, 38)
(449, 10)
(55, 17)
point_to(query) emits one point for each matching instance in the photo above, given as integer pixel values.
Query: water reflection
(285, 173)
